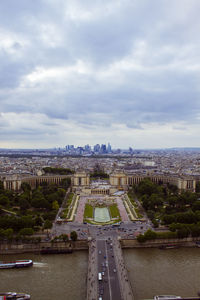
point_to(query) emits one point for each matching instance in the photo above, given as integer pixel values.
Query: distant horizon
(113, 148)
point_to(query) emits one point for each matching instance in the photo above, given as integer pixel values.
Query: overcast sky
(120, 71)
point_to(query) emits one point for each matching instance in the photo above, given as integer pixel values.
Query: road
(127, 230)
(109, 286)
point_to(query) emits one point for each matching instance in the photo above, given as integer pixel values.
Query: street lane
(109, 287)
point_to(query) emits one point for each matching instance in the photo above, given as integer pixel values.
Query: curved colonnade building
(118, 180)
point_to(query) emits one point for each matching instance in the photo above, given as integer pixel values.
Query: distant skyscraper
(87, 148)
(109, 150)
(103, 148)
(97, 148)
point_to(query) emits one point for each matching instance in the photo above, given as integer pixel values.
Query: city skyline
(76, 72)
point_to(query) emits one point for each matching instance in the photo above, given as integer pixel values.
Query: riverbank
(157, 243)
(70, 246)
(43, 247)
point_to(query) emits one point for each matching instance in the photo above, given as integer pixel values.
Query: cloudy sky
(97, 71)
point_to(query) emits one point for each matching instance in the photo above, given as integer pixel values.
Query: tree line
(30, 210)
(166, 205)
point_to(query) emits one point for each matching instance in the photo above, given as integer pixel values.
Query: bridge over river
(107, 274)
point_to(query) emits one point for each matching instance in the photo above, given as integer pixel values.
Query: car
(103, 273)
(114, 270)
(99, 251)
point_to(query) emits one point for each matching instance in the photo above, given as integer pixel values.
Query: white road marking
(110, 292)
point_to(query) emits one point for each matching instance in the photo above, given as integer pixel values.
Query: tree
(8, 233)
(55, 205)
(26, 232)
(150, 235)
(172, 188)
(38, 221)
(195, 230)
(66, 182)
(155, 223)
(172, 200)
(155, 201)
(64, 237)
(196, 205)
(183, 232)
(1, 185)
(173, 227)
(168, 219)
(198, 187)
(141, 238)
(4, 200)
(47, 224)
(146, 186)
(150, 214)
(40, 202)
(73, 236)
(26, 187)
(186, 218)
(98, 171)
(25, 222)
(24, 204)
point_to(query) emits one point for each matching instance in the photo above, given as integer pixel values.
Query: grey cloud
(158, 42)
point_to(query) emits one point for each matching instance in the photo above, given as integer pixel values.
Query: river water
(157, 272)
(63, 276)
(59, 277)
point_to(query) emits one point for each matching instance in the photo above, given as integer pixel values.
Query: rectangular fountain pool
(101, 214)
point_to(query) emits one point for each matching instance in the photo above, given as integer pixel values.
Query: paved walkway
(92, 283)
(125, 286)
(80, 210)
(122, 210)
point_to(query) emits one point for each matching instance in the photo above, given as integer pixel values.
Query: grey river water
(157, 272)
(63, 277)
(52, 277)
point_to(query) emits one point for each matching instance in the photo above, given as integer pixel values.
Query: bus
(99, 276)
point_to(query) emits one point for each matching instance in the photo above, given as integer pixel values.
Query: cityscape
(87, 150)
(98, 202)
(99, 150)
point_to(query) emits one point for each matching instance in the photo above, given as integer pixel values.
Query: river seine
(63, 277)
(58, 277)
(157, 272)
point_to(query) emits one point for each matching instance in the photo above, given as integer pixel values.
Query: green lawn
(114, 212)
(67, 205)
(88, 213)
(69, 200)
(131, 198)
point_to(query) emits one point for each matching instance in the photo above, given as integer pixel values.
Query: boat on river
(16, 264)
(14, 296)
(198, 244)
(169, 246)
(166, 297)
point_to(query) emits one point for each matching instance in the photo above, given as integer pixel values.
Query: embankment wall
(14, 248)
(185, 242)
